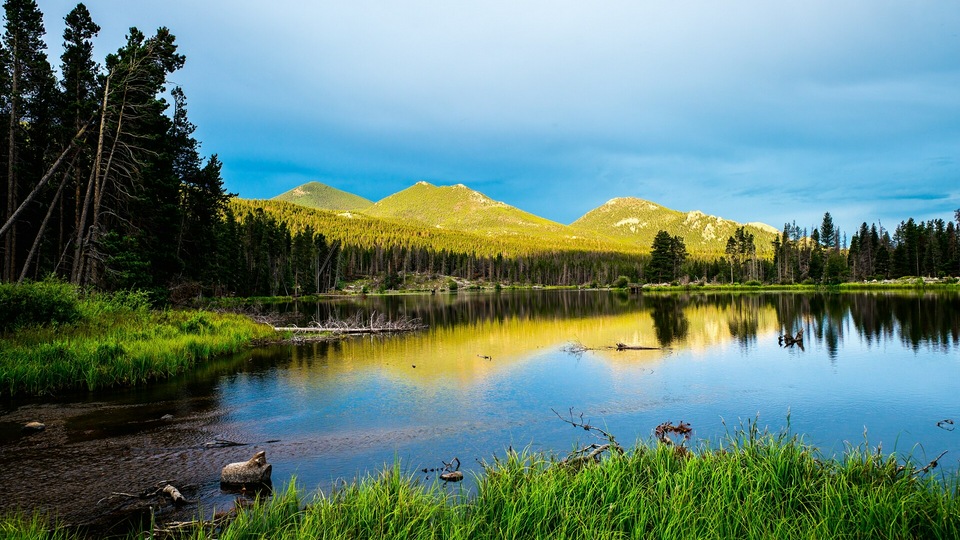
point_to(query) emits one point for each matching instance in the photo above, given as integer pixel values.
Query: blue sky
(751, 110)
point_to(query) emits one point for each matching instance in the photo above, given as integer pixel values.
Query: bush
(753, 283)
(37, 303)
(621, 282)
(452, 285)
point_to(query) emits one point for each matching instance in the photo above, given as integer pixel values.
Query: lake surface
(488, 373)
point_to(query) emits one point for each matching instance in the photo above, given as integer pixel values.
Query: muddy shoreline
(82, 469)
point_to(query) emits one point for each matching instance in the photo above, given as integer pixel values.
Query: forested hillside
(370, 246)
(323, 197)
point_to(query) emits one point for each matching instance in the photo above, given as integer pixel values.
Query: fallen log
(624, 347)
(253, 472)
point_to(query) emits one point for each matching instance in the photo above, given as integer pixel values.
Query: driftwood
(358, 324)
(174, 494)
(451, 472)
(578, 348)
(255, 471)
(452, 476)
(787, 340)
(592, 452)
(623, 347)
(585, 456)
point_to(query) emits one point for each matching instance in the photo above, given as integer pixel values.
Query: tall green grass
(754, 486)
(35, 527)
(115, 340)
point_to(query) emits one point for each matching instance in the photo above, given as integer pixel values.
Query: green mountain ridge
(625, 224)
(460, 208)
(633, 220)
(323, 197)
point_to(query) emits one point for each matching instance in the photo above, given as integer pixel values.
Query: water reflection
(686, 320)
(488, 371)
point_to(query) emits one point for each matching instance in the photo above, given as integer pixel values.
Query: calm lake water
(881, 364)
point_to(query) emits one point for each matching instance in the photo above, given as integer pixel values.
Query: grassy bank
(755, 487)
(758, 489)
(54, 338)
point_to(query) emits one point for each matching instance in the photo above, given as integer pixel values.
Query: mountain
(323, 197)
(456, 214)
(637, 221)
(463, 209)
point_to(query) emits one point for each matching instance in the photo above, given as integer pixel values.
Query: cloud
(753, 110)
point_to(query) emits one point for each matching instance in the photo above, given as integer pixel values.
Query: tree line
(818, 255)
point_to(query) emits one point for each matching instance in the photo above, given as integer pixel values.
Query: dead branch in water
(578, 348)
(623, 347)
(376, 323)
(592, 452)
(932, 465)
(664, 431)
(787, 340)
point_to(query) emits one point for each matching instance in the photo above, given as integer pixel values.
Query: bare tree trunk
(79, 250)
(43, 227)
(43, 181)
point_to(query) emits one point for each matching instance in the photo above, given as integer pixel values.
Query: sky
(753, 110)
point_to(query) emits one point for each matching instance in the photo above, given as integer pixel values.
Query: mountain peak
(323, 197)
(637, 221)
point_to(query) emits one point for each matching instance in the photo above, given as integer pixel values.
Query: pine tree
(30, 94)
(828, 232)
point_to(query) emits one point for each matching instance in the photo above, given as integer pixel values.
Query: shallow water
(881, 363)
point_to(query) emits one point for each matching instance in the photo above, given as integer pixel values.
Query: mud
(92, 459)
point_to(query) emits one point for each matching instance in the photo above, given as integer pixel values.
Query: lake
(488, 373)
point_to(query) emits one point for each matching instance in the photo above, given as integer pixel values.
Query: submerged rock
(252, 472)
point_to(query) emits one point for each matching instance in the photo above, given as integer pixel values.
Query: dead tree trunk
(43, 228)
(79, 249)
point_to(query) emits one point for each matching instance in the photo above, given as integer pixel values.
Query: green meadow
(56, 338)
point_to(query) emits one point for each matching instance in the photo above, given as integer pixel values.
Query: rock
(254, 471)
(33, 427)
(453, 476)
(167, 417)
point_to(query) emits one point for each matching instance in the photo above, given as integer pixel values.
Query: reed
(116, 340)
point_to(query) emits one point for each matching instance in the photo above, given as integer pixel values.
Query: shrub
(37, 303)
(621, 282)
(753, 283)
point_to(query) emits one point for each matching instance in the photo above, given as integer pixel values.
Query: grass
(754, 486)
(115, 340)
